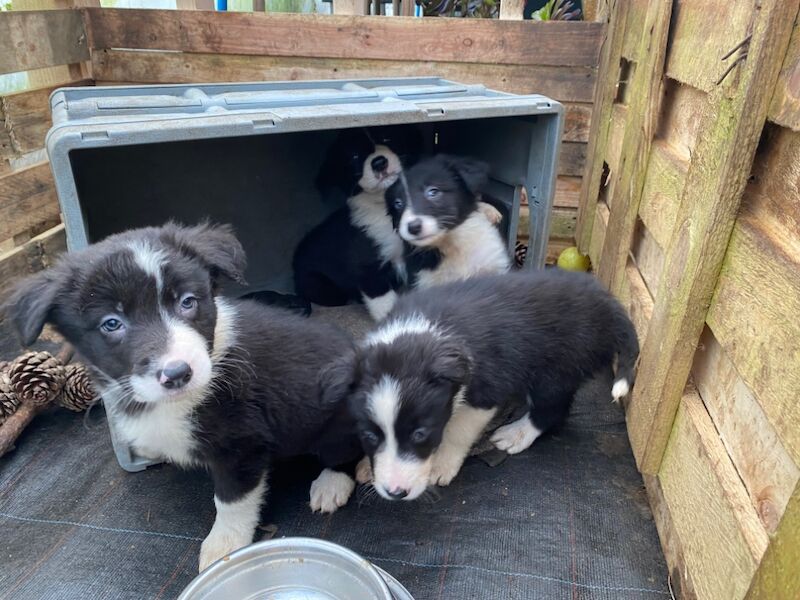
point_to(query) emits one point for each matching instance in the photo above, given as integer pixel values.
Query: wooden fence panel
(42, 39)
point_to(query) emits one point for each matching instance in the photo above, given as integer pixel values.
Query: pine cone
(36, 377)
(9, 403)
(78, 393)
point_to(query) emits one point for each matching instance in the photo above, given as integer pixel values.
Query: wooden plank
(484, 41)
(41, 39)
(562, 223)
(648, 256)
(566, 84)
(679, 577)
(599, 226)
(604, 95)
(616, 134)
(37, 254)
(683, 111)
(766, 469)
(567, 191)
(753, 314)
(512, 10)
(572, 159)
(640, 302)
(661, 195)
(709, 505)
(639, 131)
(778, 577)
(28, 202)
(699, 42)
(785, 107)
(634, 27)
(350, 7)
(714, 184)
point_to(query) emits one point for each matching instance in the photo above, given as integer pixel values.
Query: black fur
(535, 334)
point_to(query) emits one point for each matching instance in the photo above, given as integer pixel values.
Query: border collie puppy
(435, 207)
(194, 378)
(423, 386)
(354, 254)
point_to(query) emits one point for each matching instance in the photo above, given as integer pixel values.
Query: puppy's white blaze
(224, 330)
(429, 232)
(392, 471)
(370, 182)
(620, 389)
(368, 211)
(415, 323)
(234, 525)
(149, 260)
(381, 306)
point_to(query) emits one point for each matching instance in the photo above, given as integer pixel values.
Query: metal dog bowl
(294, 569)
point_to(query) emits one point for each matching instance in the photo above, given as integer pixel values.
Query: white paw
(330, 491)
(515, 437)
(490, 212)
(446, 465)
(364, 471)
(219, 544)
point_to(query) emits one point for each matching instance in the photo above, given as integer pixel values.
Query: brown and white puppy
(191, 377)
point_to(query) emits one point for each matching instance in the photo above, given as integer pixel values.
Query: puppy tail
(627, 355)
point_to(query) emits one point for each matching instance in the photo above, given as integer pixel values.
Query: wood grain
(693, 258)
(640, 126)
(567, 192)
(599, 227)
(37, 254)
(683, 111)
(785, 107)
(604, 95)
(28, 202)
(648, 256)
(721, 536)
(699, 41)
(562, 223)
(330, 36)
(661, 195)
(35, 39)
(766, 469)
(640, 302)
(753, 314)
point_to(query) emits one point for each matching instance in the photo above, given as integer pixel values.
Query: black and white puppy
(436, 208)
(194, 378)
(423, 386)
(355, 255)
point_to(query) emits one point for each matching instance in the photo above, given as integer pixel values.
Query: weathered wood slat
(785, 107)
(570, 84)
(753, 315)
(699, 40)
(619, 116)
(648, 256)
(693, 258)
(778, 577)
(604, 95)
(572, 159)
(683, 111)
(35, 255)
(567, 191)
(599, 226)
(28, 202)
(661, 195)
(634, 28)
(562, 223)
(640, 302)
(35, 39)
(640, 127)
(710, 509)
(766, 469)
(331, 36)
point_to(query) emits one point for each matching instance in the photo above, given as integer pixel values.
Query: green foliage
(557, 10)
(485, 9)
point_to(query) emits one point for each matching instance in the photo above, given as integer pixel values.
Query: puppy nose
(414, 227)
(379, 164)
(175, 374)
(397, 493)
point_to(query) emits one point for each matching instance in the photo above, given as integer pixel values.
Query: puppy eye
(398, 203)
(432, 193)
(370, 439)
(111, 325)
(188, 302)
(420, 436)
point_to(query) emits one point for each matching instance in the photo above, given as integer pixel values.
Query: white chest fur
(164, 432)
(472, 248)
(369, 213)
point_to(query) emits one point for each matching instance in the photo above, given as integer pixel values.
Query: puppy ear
(337, 379)
(216, 246)
(31, 303)
(450, 362)
(472, 172)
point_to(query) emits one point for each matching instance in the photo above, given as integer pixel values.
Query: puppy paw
(331, 490)
(490, 212)
(515, 437)
(219, 544)
(446, 465)
(364, 471)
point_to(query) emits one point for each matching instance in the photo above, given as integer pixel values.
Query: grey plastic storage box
(248, 154)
